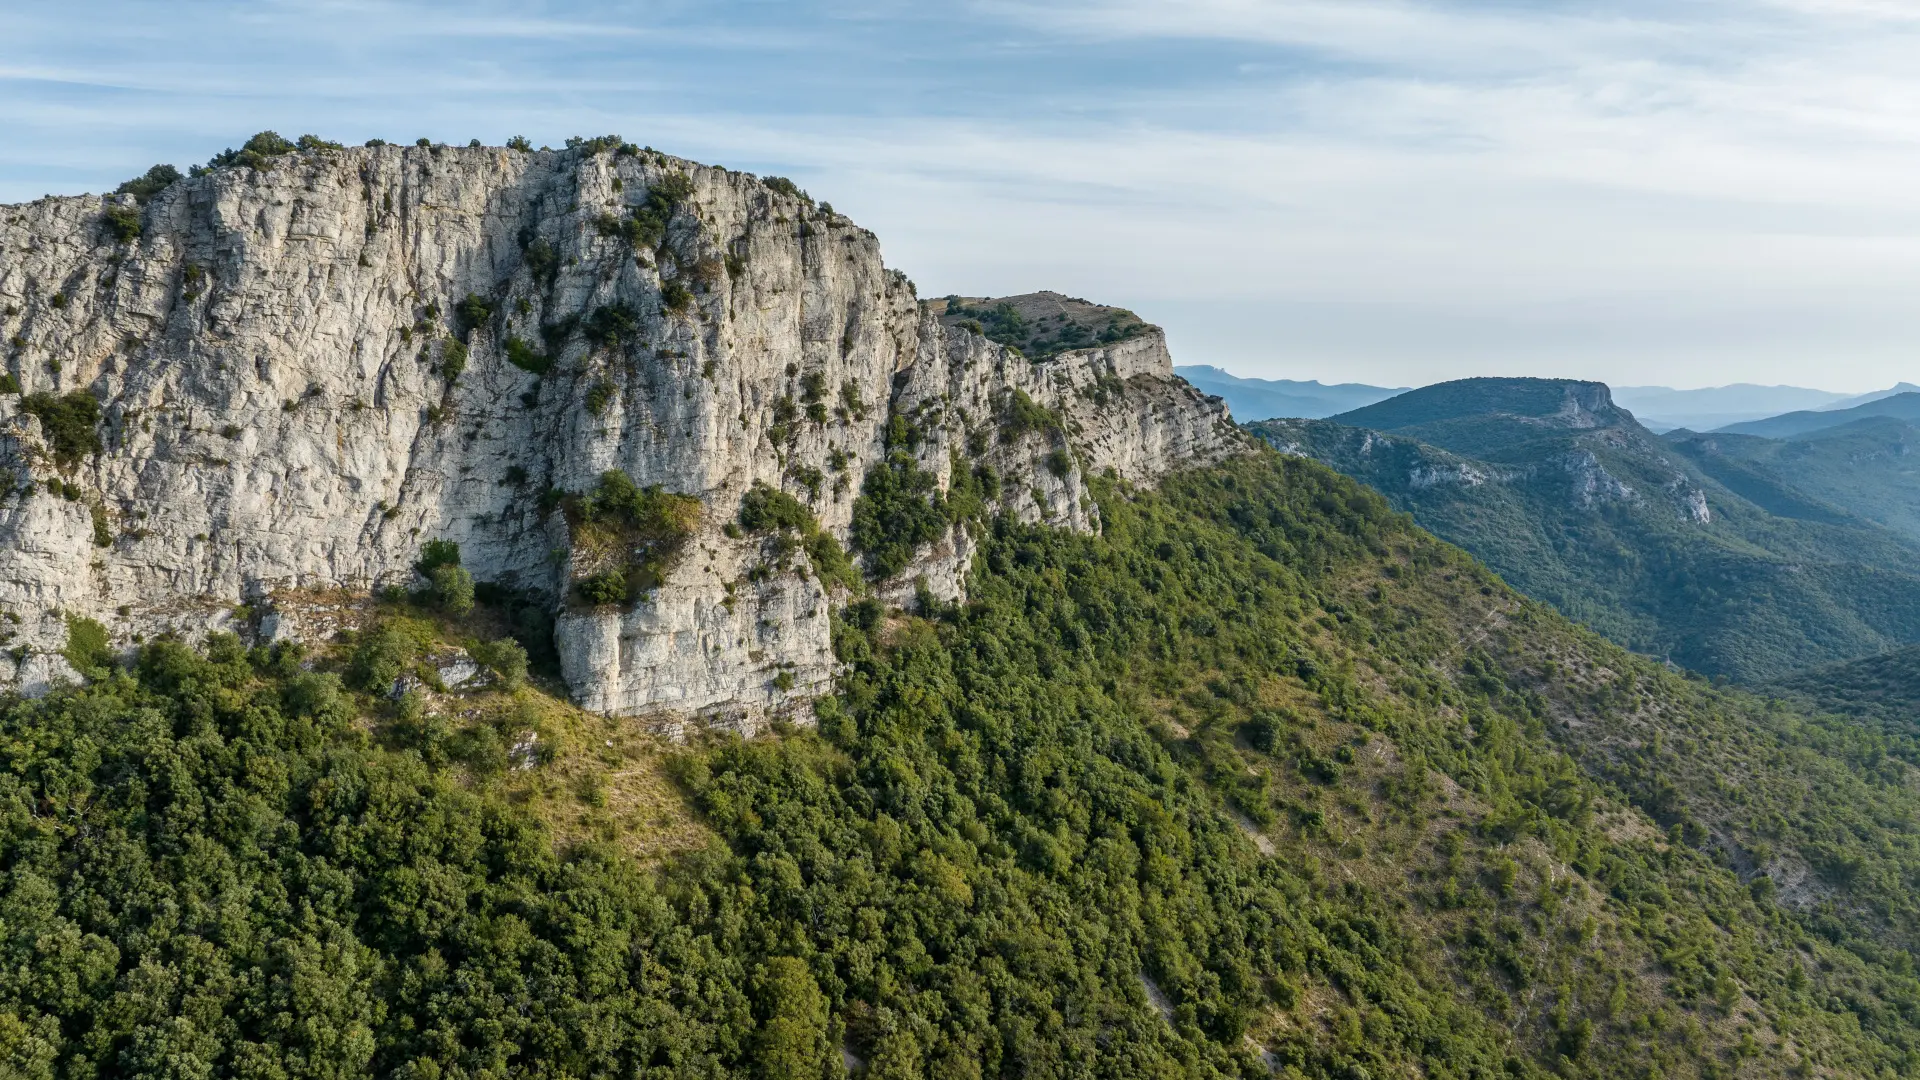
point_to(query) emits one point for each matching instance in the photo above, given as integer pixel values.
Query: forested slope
(1663, 548)
(1866, 468)
(1261, 779)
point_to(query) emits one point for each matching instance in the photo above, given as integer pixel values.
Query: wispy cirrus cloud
(1694, 191)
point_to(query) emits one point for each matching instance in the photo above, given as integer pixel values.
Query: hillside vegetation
(1869, 469)
(1042, 324)
(1262, 779)
(1883, 690)
(1708, 561)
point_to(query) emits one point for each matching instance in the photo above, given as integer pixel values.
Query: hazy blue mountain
(1903, 406)
(1898, 388)
(1572, 500)
(1259, 399)
(1662, 408)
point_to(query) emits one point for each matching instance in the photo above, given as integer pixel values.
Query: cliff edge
(285, 376)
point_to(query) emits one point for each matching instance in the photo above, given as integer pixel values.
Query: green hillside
(1263, 779)
(1577, 505)
(1883, 690)
(1868, 468)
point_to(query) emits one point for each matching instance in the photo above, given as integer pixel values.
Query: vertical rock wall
(274, 356)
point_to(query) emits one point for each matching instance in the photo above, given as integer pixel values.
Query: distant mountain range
(1904, 406)
(1657, 408)
(1260, 399)
(1720, 554)
(1662, 408)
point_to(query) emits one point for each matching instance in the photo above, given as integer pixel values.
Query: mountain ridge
(1256, 399)
(1903, 406)
(1576, 504)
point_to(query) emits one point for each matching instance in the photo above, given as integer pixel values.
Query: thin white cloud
(1509, 184)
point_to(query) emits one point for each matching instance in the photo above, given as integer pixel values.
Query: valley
(486, 612)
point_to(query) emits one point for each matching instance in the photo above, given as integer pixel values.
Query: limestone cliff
(305, 368)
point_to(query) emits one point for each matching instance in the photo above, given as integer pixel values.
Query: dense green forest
(1673, 549)
(1261, 779)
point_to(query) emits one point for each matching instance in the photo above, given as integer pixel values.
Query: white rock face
(270, 360)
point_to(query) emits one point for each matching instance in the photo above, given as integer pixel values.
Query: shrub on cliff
(766, 509)
(70, 421)
(898, 510)
(643, 531)
(258, 152)
(524, 356)
(154, 181)
(452, 590)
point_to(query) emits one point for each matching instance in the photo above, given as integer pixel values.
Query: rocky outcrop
(305, 370)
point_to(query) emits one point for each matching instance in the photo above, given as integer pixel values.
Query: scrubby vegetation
(154, 181)
(123, 222)
(1041, 325)
(261, 151)
(1261, 779)
(626, 538)
(71, 423)
(646, 222)
(527, 358)
(770, 511)
(899, 509)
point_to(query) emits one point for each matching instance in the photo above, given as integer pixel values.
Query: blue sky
(1691, 193)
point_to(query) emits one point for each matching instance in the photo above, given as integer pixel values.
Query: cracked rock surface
(292, 396)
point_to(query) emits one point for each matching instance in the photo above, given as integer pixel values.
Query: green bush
(600, 396)
(453, 360)
(898, 511)
(650, 526)
(9, 384)
(609, 587)
(452, 590)
(647, 226)
(154, 181)
(525, 357)
(381, 657)
(1021, 415)
(437, 553)
(520, 143)
(258, 153)
(780, 185)
(611, 324)
(123, 222)
(89, 647)
(506, 658)
(765, 509)
(675, 296)
(70, 421)
(472, 312)
(542, 261)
